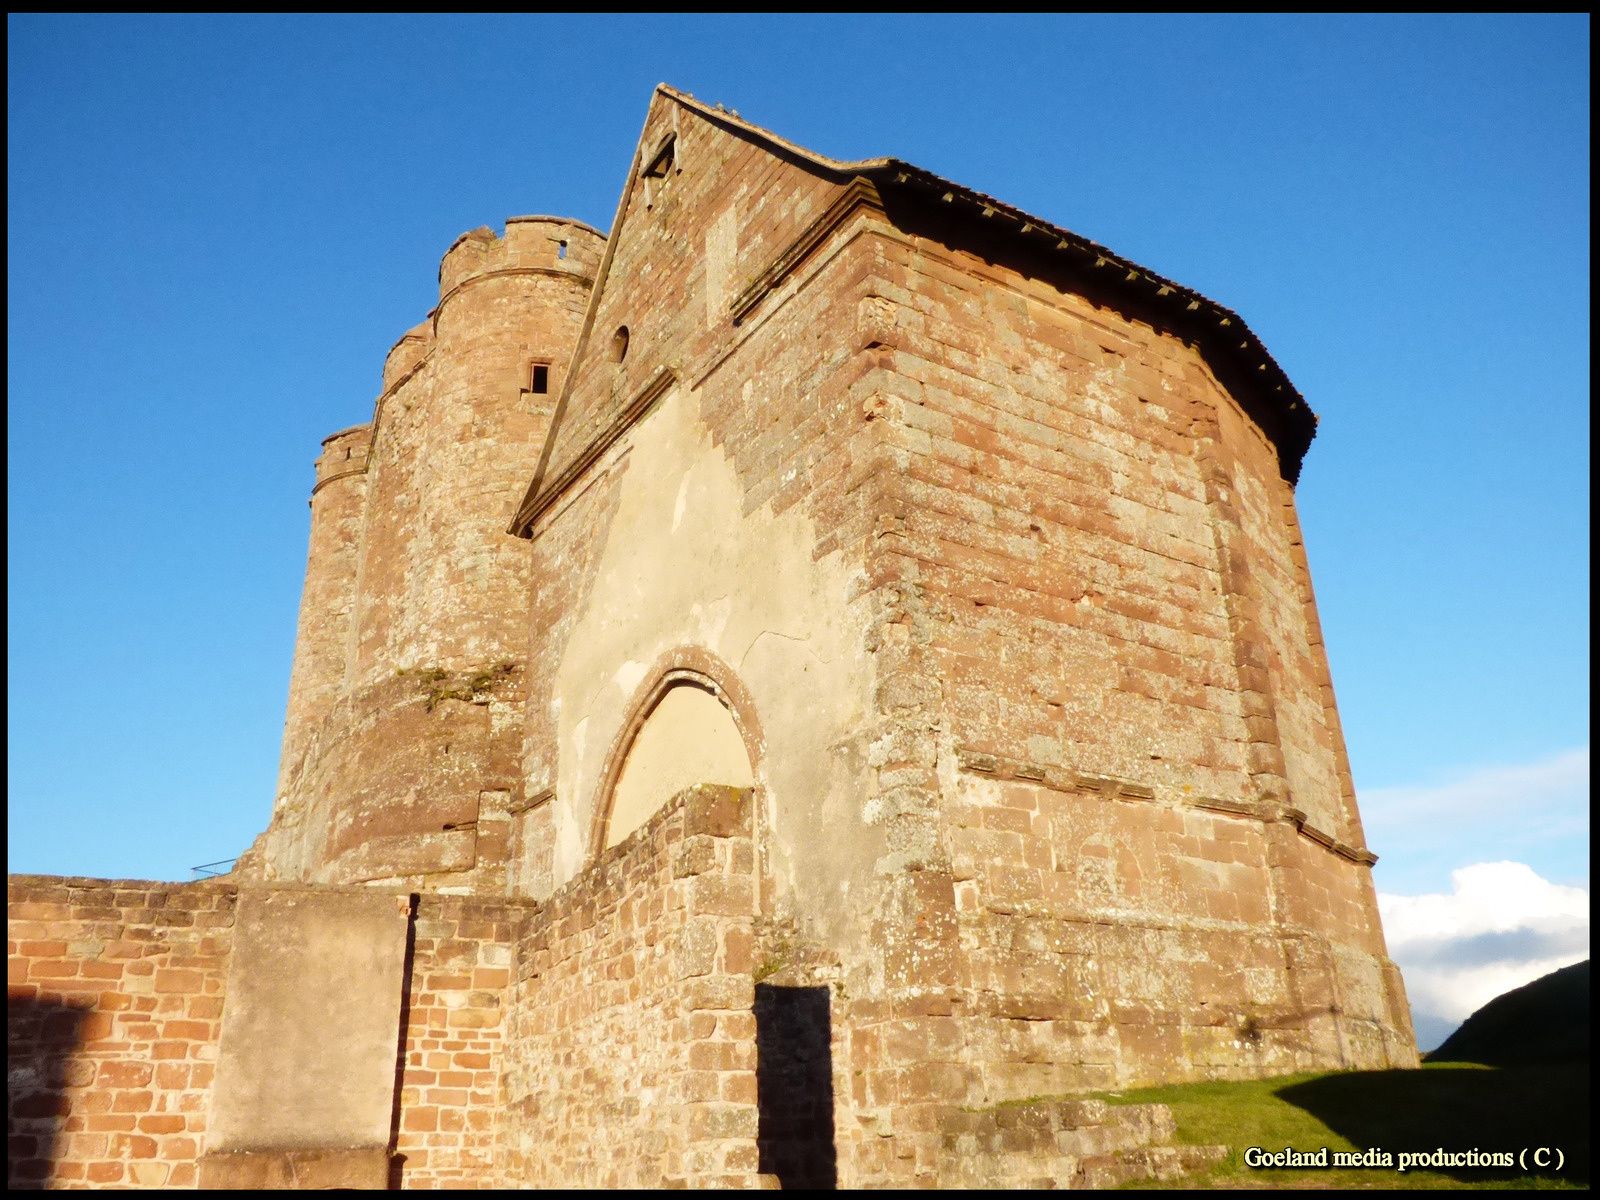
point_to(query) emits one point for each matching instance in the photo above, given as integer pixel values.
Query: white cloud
(1501, 925)
(1537, 813)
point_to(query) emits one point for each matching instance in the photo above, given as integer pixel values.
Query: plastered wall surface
(724, 531)
(681, 566)
(687, 738)
(314, 980)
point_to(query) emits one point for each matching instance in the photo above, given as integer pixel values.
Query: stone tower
(404, 722)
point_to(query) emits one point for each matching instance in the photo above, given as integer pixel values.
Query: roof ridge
(1182, 307)
(719, 113)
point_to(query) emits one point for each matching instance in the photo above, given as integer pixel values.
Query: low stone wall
(606, 1037)
(630, 1060)
(115, 992)
(644, 1027)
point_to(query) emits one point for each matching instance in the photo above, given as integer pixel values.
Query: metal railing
(208, 871)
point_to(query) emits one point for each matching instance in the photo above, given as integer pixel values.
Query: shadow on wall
(41, 1037)
(1462, 1108)
(397, 1162)
(794, 1085)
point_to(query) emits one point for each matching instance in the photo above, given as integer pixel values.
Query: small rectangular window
(541, 379)
(561, 249)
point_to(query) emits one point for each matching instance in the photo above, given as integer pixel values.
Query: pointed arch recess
(692, 666)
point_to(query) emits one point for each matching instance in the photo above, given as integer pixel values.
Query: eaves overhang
(1040, 248)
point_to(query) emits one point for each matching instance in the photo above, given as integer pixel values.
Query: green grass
(1457, 1106)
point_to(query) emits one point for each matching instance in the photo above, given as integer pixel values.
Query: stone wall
(605, 1038)
(716, 516)
(1117, 759)
(304, 1089)
(1087, 820)
(454, 1029)
(630, 1057)
(115, 998)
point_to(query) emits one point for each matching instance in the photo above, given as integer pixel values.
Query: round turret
(343, 453)
(405, 354)
(395, 772)
(555, 244)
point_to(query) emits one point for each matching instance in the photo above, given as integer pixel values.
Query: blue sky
(217, 227)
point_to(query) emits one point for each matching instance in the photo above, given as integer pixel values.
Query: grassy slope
(1456, 1106)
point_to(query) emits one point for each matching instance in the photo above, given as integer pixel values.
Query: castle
(782, 692)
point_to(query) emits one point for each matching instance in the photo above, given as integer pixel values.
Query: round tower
(415, 762)
(455, 452)
(322, 637)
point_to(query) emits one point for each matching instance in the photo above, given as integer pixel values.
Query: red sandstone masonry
(631, 1051)
(115, 991)
(664, 308)
(455, 1028)
(327, 601)
(1053, 522)
(1060, 571)
(401, 744)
